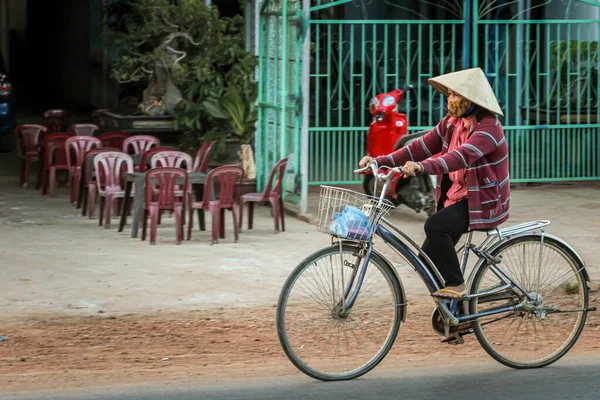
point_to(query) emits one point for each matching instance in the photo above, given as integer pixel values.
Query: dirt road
(64, 352)
(83, 305)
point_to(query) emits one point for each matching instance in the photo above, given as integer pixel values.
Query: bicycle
(352, 288)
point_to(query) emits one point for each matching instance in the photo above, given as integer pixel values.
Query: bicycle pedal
(454, 340)
(457, 337)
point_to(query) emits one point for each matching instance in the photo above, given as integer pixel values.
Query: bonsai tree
(186, 53)
(153, 38)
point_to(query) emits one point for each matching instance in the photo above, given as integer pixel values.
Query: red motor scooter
(387, 133)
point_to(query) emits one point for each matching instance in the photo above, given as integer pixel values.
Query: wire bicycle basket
(347, 214)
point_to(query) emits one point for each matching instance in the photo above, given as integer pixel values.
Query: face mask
(460, 108)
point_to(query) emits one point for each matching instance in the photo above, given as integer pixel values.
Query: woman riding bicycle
(473, 186)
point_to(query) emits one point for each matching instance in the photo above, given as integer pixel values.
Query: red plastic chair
(161, 196)
(175, 159)
(111, 168)
(54, 120)
(172, 158)
(140, 144)
(202, 158)
(55, 159)
(84, 129)
(271, 195)
(89, 176)
(113, 139)
(147, 157)
(28, 147)
(201, 165)
(227, 177)
(80, 146)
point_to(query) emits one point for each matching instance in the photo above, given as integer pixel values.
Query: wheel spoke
(526, 339)
(324, 339)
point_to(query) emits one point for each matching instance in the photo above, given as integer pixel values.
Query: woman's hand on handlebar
(366, 160)
(411, 169)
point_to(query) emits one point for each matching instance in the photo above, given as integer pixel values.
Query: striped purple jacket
(485, 156)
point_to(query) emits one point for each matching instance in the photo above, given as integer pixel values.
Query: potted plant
(574, 72)
(154, 40)
(183, 53)
(240, 113)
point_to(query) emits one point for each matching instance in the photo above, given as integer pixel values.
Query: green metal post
(305, 143)
(442, 69)
(261, 114)
(467, 35)
(362, 75)
(340, 85)
(430, 89)
(284, 79)
(327, 158)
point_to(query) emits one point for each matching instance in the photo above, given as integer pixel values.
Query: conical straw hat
(470, 84)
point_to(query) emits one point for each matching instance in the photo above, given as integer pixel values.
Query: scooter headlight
(388, 101)
(374, 104)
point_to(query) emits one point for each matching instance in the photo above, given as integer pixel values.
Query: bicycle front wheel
(322, 340)
(536, 335)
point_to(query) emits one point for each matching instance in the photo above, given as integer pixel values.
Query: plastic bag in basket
(351, 223)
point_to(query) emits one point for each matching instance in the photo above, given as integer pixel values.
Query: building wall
(18, 14)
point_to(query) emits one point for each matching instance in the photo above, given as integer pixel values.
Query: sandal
(454, 295)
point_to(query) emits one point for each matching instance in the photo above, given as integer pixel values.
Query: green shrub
(206, 60)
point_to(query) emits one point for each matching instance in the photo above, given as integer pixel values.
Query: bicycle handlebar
(366, 168)
(382, 177)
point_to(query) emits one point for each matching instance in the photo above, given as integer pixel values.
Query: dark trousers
(443, 230)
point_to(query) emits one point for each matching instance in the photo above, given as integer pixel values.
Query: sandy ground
(54, 352)
(83, 305)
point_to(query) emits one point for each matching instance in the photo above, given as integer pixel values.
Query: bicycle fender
(567, 246)
(384, 260)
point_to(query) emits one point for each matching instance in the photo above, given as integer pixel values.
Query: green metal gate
(543, 65)
(279, 99)
(534, 63)
(356, 57)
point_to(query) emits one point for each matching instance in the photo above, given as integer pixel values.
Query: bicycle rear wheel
(317, 336)
(527, 338)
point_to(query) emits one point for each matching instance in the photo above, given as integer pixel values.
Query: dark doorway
(50, 59)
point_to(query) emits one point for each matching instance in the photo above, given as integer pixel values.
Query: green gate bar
(544, 72)
(357, 59)
(551, 105)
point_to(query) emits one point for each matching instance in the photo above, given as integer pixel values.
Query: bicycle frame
(431, 276)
